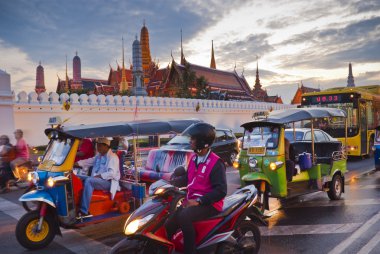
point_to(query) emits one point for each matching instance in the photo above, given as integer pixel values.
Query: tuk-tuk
(376, 148)
(59, 189)
(265, 159)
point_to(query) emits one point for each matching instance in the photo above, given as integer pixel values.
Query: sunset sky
(309, 41)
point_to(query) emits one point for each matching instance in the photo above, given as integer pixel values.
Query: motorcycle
(228, 232)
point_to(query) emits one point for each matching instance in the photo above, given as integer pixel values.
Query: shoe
(82, 215)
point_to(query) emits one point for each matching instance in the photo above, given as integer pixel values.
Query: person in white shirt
(105, 170)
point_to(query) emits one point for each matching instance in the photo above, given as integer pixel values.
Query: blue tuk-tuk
(59, 189)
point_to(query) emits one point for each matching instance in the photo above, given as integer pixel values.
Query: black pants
(183, 218)
(290, 170)
(5, 176)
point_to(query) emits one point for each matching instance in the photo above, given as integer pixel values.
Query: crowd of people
(11, 157)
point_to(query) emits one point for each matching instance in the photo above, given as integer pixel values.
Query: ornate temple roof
(230, 81)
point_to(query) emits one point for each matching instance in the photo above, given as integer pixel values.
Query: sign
(256, 150)
(326, 99)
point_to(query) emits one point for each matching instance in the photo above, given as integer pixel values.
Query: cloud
(244, 51)
(328, 48)
(365, 6)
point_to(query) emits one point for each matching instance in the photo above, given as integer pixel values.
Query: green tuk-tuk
(285, 166)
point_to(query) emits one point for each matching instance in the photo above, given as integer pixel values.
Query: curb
(367, 172)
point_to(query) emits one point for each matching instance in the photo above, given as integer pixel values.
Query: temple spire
(123, 84)
(350, 79)
(257, 81)
(182, 56)
(40, 79)
(212, 63)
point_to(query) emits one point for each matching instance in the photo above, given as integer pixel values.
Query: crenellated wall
(32, 111)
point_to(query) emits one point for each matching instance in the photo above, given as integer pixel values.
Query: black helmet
(203, 133)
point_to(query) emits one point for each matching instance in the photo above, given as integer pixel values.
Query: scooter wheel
(26, 231)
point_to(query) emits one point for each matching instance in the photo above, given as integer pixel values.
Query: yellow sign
(256, 150)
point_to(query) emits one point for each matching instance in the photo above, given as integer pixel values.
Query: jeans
(91, 183)
(183, 218)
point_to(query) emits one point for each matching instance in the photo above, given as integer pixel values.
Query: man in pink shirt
(22, 152)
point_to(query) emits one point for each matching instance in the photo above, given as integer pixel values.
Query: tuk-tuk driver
(105, 170)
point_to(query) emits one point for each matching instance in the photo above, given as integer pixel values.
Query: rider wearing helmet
(206, 186)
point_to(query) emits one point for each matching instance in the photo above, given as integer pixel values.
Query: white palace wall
(32, 111)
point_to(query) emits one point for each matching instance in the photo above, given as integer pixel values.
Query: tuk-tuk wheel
(26, 231)
(336, 188)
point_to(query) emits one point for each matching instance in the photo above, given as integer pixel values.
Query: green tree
(202, 89)
(186, 83)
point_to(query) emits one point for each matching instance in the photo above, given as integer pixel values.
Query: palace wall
(32, 111)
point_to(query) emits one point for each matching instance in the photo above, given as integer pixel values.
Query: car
(161, 163)
(226, 145)
(304, 134)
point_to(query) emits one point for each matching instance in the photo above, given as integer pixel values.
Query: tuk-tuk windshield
(57, 151)
(261, 137)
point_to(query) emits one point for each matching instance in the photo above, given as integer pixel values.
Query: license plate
(256, 150)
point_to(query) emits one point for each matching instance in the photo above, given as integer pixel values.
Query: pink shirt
(22, 149)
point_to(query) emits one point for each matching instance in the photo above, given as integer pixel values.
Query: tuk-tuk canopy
(296, 114)
(117, 129)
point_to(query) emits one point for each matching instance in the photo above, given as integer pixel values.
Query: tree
(186, 83)
(202, 89)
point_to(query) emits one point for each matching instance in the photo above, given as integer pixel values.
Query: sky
(294, 41)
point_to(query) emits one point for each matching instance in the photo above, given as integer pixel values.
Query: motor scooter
(233, 230)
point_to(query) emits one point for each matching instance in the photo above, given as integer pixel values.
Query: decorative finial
(76, 53)
(136, 36)
(40, 62)
(144, 22)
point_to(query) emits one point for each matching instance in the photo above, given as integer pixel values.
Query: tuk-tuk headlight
(276, 165)
(50, 182)
(252, 162)
(235, 164)
(33, 177)
(134, 225)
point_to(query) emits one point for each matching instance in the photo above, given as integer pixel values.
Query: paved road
(310, 224)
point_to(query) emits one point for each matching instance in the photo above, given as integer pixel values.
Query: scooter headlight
(33, 177)
(131, 227)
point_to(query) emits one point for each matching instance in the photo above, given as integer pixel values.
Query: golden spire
(212, 64)
(124, 84)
